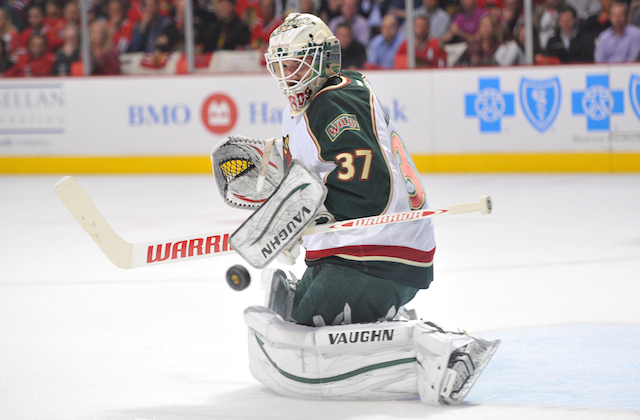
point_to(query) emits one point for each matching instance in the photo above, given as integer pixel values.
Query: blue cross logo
(490, 105)
(598, 102)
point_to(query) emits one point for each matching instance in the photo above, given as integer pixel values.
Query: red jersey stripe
(372, 252)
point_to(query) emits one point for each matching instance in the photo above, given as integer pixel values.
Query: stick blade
(119, 251)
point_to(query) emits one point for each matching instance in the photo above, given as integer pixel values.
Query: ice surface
(554, 272)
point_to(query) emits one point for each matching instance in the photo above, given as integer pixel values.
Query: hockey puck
(238, 277)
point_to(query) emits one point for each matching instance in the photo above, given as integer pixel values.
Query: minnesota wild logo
(341, 124)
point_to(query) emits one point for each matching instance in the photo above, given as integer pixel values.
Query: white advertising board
(132, 115)
(536, 109)
(554, 109)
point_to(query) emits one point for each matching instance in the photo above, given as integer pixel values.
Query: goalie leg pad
(280, 221)
(346, 362)
(388, 360)
(432, 353)
(279, 293)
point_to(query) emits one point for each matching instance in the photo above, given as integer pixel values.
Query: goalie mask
(302, 55)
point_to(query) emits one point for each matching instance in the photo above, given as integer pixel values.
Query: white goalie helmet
(303, 53)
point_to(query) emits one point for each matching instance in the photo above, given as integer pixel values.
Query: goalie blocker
(278, 224)
(388, 360)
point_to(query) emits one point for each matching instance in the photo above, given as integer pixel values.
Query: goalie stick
(125, 254)
(265, 164)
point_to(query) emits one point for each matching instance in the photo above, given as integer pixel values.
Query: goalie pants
(325, 289)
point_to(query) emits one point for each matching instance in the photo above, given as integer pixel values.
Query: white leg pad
(345, 362)
(387, 360)
(279, 292)
(433, 350)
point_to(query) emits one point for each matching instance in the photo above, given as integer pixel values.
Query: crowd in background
(42, 38)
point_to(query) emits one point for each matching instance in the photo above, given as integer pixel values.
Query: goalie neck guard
(303, 53)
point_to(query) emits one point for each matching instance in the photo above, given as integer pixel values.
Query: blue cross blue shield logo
(598, 102)
(489, 105)
(540, 100)
(634, 93)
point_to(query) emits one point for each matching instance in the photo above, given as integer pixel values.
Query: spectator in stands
(310, 6)
(36, 26)
(585, 8)
(570, 44)
(330, 9)
(397, 8)
(265, 24)
(428, 50)
(248, 11)
(354, 54)
(634, 12)
(228, 32)
(55, 22)
(621, 42)
(177, 15)
(545, 20)
(204, 11)
(71, 13)
(510, 16)
(285, 7)
(439, 20)
(136, 9)
(53, 17)
(69, 53)
(511, 52)
(600, 21)
(153, 32)
(483, 47)
(350, 15)
(486, 4)
(8, 31)
(493, 7)
(104, 57)
(383, 47)
(98, 10)
(450, 6)
(38, 62)
(5, 61)
(15, 11)
(120, 28)
(374, 11)
(464, 27)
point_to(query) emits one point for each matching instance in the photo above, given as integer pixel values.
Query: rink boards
(552, 118)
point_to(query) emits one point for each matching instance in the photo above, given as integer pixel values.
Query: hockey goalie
(341, 331)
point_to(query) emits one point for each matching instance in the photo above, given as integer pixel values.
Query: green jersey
(347, 138)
